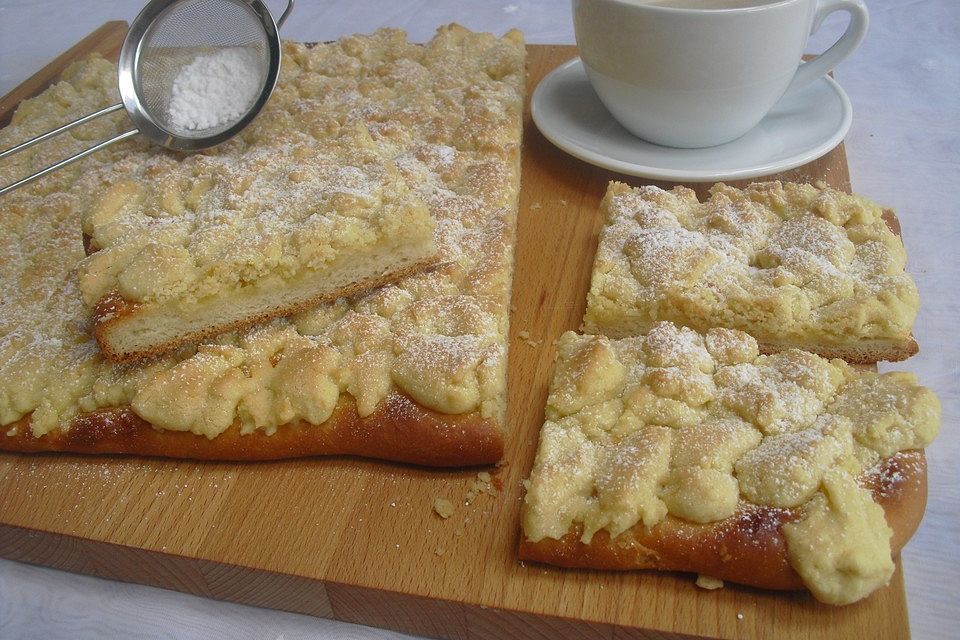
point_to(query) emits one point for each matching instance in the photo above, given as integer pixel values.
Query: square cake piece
(413, 371)
(793, 265)
(681, 451)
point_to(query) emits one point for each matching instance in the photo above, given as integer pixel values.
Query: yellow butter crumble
(698, 426)
(437, 124)
(791, 264)
(265, 205)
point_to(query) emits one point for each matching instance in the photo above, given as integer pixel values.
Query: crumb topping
(437, 124)
(260, 206)
(703, 428)
(788, 263)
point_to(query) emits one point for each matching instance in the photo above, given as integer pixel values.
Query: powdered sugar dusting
(215, 89)
(785, 262)
(750, 437)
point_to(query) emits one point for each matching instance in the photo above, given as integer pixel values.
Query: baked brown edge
(868, 352)
(865, 354)
(748, 548)
(399, 430)
(113, 309)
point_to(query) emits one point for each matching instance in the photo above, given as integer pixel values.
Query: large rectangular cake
(412, 371)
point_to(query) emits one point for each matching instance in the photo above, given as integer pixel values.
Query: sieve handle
(71, 159)
(59, 130)
(286, 12)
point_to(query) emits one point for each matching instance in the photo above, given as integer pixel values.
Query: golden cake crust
(796, 266)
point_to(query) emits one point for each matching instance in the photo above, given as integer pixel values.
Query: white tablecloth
(903, 149)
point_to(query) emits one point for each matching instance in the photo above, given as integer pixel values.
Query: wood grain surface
(358, 540)
(106, 41)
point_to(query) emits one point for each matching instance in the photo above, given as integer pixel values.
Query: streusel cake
(793, 265)
(413, 371)
(682, 451)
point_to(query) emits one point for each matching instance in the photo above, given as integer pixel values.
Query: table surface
(903, 150)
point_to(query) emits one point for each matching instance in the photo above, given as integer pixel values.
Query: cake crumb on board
(524, 336)
(708, 582)
(483, 484)
(443, 508)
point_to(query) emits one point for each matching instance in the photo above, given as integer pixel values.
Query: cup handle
(850, 40)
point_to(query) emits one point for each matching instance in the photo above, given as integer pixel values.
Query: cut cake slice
(187, 247)
(682, 451)
(793, 265)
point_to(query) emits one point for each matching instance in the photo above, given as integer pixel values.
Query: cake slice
(413, 371)
(793, 265)
(185, 247)
(681, 451)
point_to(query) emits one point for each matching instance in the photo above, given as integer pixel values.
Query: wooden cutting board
(357, 540)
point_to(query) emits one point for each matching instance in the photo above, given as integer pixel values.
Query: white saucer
(804, 125)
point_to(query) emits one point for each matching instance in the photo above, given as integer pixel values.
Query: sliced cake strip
(794, 265)
(412, 371)
(676, 450)
(300, 209)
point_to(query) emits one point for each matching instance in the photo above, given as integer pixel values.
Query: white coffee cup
(698, 73)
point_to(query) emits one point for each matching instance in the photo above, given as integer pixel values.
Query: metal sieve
(162, 40)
